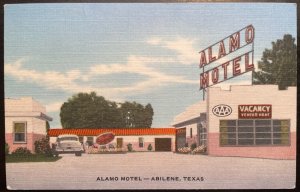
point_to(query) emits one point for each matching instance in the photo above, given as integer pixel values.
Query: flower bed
(184, 150)
(199, 149)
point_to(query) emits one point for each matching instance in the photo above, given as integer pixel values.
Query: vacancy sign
(255, 111)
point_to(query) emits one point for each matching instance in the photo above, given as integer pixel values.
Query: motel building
(244, 121)
(161, 139)
(25, 122)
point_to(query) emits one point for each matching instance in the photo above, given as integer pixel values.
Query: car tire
(78, 154)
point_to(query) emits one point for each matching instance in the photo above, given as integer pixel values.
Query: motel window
(141, 142)
(20, 132)
(90, 141)
(258, 132)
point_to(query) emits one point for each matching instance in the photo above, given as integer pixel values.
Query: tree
(136, 115)
(85, 110)
(148, 115)
(279, 64)
(89, 111)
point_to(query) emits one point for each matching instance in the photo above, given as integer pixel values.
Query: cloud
(154, 41)
(74, 80)
(49, 79)
(139, 65)
(54, 107)
(184, 47)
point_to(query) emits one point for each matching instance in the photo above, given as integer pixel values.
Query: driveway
(152, 170)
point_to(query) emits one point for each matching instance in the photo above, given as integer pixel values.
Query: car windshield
(67, 139)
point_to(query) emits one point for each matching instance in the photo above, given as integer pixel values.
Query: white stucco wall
(36, 106)
(24, 104)
(194, 130)
(134, 140)
(147, 138)
(9, 123)
(26, 110)
(283, 102)
(190, 112)
(39, 126)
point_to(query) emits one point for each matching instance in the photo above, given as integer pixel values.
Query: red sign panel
(105, 138)
(255, 111)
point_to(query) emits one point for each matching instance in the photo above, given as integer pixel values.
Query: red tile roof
(117, 132)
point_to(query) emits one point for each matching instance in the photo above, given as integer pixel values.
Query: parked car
(67, 143)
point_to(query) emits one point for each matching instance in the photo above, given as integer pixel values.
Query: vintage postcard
(150, 96)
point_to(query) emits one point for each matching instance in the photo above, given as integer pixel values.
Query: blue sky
(146, 53)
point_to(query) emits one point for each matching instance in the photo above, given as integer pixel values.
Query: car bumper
(68, 151)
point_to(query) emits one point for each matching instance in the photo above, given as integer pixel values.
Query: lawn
(31, 158)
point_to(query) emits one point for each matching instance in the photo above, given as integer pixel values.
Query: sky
(148, 53)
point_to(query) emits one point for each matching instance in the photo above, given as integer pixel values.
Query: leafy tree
(85, 110)
(89, 111)
(279, 64)
(136, 115)
(148, 115)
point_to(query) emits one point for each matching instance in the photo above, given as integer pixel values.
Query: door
(162, 144)
(180, 138)
(119, 142)
(202, 132)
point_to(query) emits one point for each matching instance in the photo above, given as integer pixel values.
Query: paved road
(73, 172)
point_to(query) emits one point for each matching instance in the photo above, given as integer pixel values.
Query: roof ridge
(119, 131)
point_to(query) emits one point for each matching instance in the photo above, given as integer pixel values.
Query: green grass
(31, 158)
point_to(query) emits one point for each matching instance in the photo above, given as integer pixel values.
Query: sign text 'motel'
(231, 67)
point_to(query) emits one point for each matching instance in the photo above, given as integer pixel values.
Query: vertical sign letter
(248, 67)
(234, 42)
(202, 59)
(236, 66)
(215, 75)
(249, 34)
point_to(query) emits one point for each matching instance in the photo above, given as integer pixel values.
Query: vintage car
(67, 143)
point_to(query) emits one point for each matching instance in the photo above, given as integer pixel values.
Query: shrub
(42, 146)
(129, 147)
(193, 146)
(184, 150)
(149, 147)
(22, 151)
(111, 146)
(6, 148)
(89, 143)
(200, 149)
